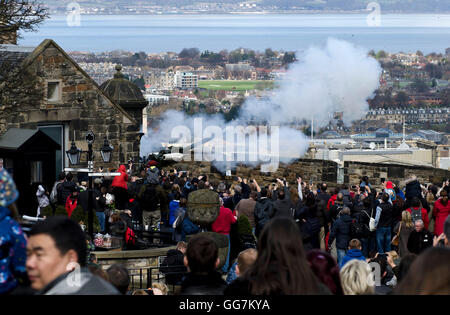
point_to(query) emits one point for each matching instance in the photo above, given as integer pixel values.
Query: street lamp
(74, 154)
(106, 151)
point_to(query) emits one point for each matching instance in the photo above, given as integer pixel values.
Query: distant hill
(403, 6)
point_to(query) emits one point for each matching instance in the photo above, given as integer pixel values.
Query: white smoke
(338, 78)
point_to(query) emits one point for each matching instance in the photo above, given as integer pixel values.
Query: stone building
(63, 101)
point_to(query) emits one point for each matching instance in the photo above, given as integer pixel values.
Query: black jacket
(413, 189)
(210, 284)
(64, 190)
(341, 231)
(264, 211)
(419, 241)
(283, 208)
(173, 267)
(386, 215)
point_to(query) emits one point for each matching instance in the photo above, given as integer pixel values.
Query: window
(36, 171)
(53, 91)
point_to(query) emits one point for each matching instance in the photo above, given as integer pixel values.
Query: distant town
(413, 88)
(243, 6)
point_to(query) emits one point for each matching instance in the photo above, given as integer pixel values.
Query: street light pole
(90, 206)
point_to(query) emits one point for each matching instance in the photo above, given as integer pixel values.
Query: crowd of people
(284, 238)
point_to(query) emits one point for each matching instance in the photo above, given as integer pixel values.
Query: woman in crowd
(281, 267)
(405, 226)
(429, 274)
(355, 278)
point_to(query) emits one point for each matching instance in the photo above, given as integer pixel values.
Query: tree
(381, 54)
(20, 15)
(419, 86)
(269, 53)
(401, 99)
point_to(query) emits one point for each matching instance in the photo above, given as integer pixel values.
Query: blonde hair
(246, 258)
(356, 278)
(406, 218)
(393, 254)
(161, 286)
(139, 292)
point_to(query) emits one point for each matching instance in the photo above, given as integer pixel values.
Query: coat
(89, 285)
(352, 254)
(440, 213)
(65, 190)
(404, 236)
(12, 252)
(173, 267)
(42, 199)
(341, 232)
(264, 211)
(121, 181)
(419, 241)
(210, 284)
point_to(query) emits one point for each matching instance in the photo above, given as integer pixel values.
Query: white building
(186, 80)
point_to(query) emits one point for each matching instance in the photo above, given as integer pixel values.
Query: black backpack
(357, 229)
(149, 200)
(416, 214)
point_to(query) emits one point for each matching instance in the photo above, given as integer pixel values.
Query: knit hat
(389, 185)
(152, 163)
(8, 190)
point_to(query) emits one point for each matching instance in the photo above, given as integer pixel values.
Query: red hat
(389, 185)
(152, 163)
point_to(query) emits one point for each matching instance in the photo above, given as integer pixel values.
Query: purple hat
(8, 190)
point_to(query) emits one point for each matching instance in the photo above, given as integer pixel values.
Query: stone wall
(133, 260)
(353, 171)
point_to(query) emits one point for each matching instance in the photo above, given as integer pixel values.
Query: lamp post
(74, 155)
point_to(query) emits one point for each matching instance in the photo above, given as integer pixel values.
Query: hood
(4, 212)
(122, 168)
(8, 190)
(389, 185)
(354, 253)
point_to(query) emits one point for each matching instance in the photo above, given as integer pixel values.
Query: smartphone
(353, 187)
(383, 180)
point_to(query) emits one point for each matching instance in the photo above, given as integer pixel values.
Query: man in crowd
(341, 232)
(56, 250)
(419, 239)
(118, 276)
(202, 259)
(247, 207)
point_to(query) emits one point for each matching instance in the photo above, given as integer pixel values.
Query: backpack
(391, 194)
(130, 239)
(416, 214)
(149, 200)
(357, 229)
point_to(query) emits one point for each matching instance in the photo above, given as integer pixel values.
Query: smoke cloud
(337, 78)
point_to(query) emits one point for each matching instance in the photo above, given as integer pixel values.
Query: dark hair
(326, 270)
(281, 195)
(69, 177)
(202, 254)
(254, 195)
(385, 197)
(263, 192)
(381, 260)
(281, 266)
(429, 274)
(177, 195)
(61, 176)
(404, 266)
(183, 203)
(415, 202)
(201, 184)
(365, 179)
(324, 187)
(118, 276)
(310, 200)
(66, 233)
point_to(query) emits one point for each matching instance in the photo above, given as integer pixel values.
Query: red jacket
(440, 213)
(121, 181)
(425, 219)
(223, 222)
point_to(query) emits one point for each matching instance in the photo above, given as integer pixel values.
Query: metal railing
(143, 278)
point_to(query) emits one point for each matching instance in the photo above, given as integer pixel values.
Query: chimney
(8, 35)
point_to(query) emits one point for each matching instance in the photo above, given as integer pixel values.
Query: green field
(234, 85)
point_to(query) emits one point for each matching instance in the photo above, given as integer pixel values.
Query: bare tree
(21, 15)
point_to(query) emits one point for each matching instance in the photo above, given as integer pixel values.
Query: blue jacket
(12, 252)
(173, 207)
(352, 254)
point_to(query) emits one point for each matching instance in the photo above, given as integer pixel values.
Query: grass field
(234, 85)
